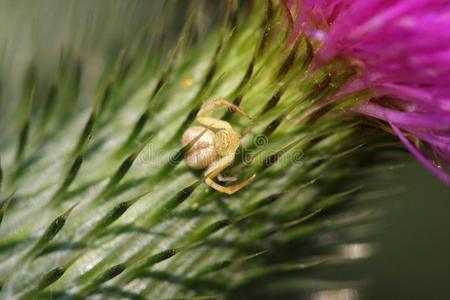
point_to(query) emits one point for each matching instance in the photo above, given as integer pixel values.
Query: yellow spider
(216, 151)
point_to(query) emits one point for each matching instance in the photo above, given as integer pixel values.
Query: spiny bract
(97, 201)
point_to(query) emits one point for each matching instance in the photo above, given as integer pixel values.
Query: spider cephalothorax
(214, 150)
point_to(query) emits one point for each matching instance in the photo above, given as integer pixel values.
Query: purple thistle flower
(403, 50)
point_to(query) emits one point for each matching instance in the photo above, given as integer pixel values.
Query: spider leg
(229, 189)
(226, 178)
(215, 123)
(218, 166)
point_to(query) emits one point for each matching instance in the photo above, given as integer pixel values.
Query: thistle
(99, 200)
(401, 50)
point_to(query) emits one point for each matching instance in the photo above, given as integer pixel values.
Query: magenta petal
(438, 173)
(403, 48)
(428, 120)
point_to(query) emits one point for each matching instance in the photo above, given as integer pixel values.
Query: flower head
(402, 48)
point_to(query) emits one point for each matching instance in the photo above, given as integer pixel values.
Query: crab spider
(216, 148)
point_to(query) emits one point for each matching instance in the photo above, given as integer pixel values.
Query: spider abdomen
(203, 152)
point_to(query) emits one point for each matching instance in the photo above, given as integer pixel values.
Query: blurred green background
(412, 242)
(413, 239)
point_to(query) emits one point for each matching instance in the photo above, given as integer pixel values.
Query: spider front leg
(223, 178)
(215, 123)
(218, 166)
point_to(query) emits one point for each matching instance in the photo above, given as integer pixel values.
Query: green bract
(105, 205)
